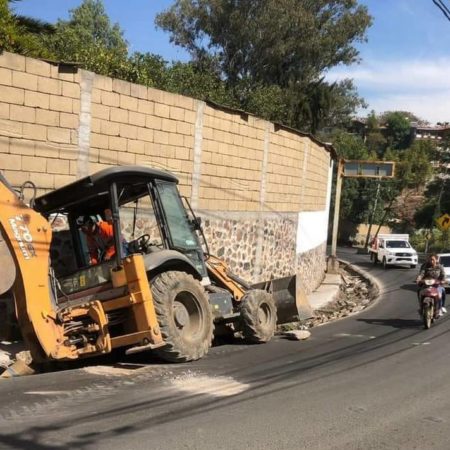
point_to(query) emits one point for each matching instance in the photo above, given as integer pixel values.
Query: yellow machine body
(73, 327)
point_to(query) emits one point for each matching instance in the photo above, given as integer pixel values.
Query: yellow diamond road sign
(443, 222)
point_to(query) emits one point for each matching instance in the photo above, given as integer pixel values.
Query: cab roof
(92, 192)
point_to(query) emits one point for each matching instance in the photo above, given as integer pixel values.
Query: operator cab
(145, 212)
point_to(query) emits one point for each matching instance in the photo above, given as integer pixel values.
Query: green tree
(398, 130)
(414, 168)
(411, 117)
(267, 102)
(319, 104)
(89, 38)
(21, 34)
(372, 122)
(261, 44)
(188, 79)
(33, 25)
(437, 193)
(147, 69)
(354, 206)
(376, 144)
(345, 101)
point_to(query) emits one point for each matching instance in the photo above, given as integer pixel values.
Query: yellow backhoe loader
(160, 291)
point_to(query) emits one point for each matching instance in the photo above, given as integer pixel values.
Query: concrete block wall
(249, 178)
(39, 119)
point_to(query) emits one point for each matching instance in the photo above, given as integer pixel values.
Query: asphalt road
(376, 380)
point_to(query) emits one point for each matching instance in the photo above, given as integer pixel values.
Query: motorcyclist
(432, 269)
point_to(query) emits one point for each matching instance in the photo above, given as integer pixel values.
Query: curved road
(375, 380)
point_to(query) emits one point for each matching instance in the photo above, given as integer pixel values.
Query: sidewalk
(326, 292)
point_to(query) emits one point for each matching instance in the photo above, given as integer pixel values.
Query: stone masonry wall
(236, 239)
(249, 176)
(311, 267)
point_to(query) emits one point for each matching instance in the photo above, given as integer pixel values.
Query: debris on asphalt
(297, 335)
(355, 294)
(14, 359)
(18, 369)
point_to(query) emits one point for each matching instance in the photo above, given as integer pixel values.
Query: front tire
(413, 266)
(184, 316)
(258, 316)
(385, 264)
(427, 315)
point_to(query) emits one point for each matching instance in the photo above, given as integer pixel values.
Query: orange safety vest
(101, 242)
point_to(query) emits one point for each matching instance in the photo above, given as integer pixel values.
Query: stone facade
(311, 267)
(256, 249)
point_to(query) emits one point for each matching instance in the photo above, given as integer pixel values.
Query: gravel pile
(354, 296)
(356, 293)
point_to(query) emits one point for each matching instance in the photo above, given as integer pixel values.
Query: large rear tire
(258, 316)
(184, 316)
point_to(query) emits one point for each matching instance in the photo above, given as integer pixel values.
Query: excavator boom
(26, 243)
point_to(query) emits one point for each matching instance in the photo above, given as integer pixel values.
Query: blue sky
(405, 65)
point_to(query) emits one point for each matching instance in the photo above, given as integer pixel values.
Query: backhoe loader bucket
(290, 299)
(7, 267)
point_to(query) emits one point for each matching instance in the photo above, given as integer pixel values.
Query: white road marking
(46, 392)
(421, 343)
(358, 336)
(108, 370)
(215, 386)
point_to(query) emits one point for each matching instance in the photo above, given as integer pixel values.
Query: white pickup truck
(393, 249)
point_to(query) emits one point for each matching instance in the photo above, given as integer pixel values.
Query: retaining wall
(252, 181)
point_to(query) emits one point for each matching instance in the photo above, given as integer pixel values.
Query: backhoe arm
(220, 273)
(27, 236)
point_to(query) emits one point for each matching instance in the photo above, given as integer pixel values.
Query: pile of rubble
(355, 294)
(15, 360)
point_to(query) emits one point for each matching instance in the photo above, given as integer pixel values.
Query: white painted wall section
(312, 229)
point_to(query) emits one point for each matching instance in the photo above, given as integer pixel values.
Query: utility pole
(333, 265)
(372, 215)
(358, 169)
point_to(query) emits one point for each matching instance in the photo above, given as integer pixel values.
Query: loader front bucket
(7, 267)
(290, 298)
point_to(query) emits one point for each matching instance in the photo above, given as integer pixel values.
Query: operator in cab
(432, 269)
(100, 239)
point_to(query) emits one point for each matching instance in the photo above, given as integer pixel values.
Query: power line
(444, 6)
(440, 4)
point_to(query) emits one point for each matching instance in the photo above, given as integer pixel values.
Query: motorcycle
(429, 298)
